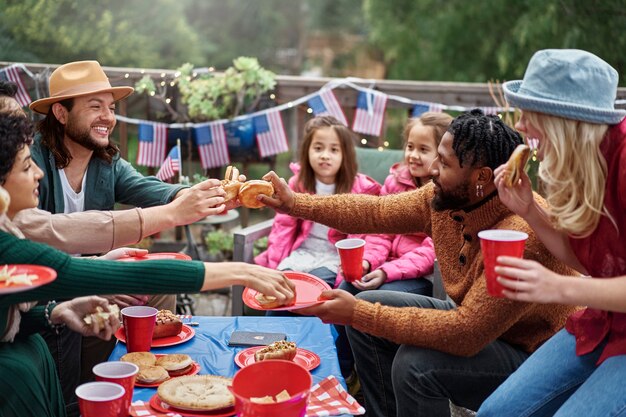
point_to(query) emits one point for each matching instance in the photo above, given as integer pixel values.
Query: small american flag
(370, 112)
(212, 146)
(12, 73)
(270, 134)
(422, 108)
(325, 103)
(152, 144)
(170, 166)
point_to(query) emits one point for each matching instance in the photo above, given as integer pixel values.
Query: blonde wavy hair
(574, 188)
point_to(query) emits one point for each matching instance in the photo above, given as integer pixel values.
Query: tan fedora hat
(78, 79)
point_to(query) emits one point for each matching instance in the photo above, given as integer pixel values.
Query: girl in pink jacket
(397, 262)
(327, 166)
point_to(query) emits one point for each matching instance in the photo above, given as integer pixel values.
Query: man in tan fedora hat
(84, 171)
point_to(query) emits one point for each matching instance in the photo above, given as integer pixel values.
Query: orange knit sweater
(479, 318)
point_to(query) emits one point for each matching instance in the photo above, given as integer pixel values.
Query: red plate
(157, 257)
(195, 368)
(185, 334)
(44, 275)
(161, 406)
(306, 358)
(308, 289)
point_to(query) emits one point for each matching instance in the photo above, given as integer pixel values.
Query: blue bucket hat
(568, 83)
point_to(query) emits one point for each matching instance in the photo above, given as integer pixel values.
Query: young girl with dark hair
(327, 166)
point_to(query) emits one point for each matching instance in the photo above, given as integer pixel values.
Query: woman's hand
(527, 280)
(371, 281)
(122, 253)
(337, 309)
(519, 198)
(72, 313)
(283, 199)
(264, 280)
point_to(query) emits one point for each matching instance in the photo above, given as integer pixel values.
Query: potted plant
(214, 96)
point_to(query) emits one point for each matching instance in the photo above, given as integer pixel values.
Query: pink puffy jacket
(288, 232)
(400, 256)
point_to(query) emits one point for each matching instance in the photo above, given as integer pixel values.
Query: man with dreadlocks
(415, 353)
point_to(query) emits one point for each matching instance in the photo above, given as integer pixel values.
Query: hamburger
(175, 364)
(152, 374)
(269, 301)
(140, 358)
(277, 350)
(516, 164)
(253, 188)
(100, 316)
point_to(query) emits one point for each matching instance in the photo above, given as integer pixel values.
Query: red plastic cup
(138, 326)
(118, 372)
(351, 255)
(101, 399)
(269, 378)
(499, 242)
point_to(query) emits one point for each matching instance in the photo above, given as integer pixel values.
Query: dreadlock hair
(16, 133)
(482, 140)
(52, 136)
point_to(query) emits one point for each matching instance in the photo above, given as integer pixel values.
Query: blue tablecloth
(210, 347)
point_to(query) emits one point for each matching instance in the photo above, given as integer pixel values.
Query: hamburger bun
(516, 164)
(152, 374)
(251, 189)
(277, 350)
(268, 301)
(100, 317)
(175, 364)
(167, 324)
(140, 358)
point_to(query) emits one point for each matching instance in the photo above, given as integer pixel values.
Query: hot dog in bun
(516, 163)
(231, 183)
(277, 350)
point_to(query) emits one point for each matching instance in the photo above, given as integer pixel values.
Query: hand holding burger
(244, 193)
(516, 164)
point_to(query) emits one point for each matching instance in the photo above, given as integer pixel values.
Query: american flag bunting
(270, 134)
(170, 166)
(212, 146)
(12, 73)
(152, 144)
(370, 112)
(325, 103)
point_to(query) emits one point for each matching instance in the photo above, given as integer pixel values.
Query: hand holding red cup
(499, 242)
(351, 255)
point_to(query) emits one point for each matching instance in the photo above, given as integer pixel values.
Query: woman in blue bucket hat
(567, 100)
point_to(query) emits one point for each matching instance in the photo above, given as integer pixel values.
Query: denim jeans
(403, 380)
(344, 352)
(556, 382)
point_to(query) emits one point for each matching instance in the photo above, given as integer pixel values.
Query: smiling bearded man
(84, 171)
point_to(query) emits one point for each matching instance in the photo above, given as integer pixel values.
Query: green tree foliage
(115, 32)
(456, 40)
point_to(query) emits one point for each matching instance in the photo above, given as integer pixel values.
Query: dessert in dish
(167, 324)
(277, 350)
(197, 392)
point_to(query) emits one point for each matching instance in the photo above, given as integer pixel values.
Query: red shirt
(603, 254)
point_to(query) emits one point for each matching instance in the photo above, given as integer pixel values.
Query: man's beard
(451, 200)
(82, 136)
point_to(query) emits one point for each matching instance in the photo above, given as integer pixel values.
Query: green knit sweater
(479, 318)
(85, 276)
